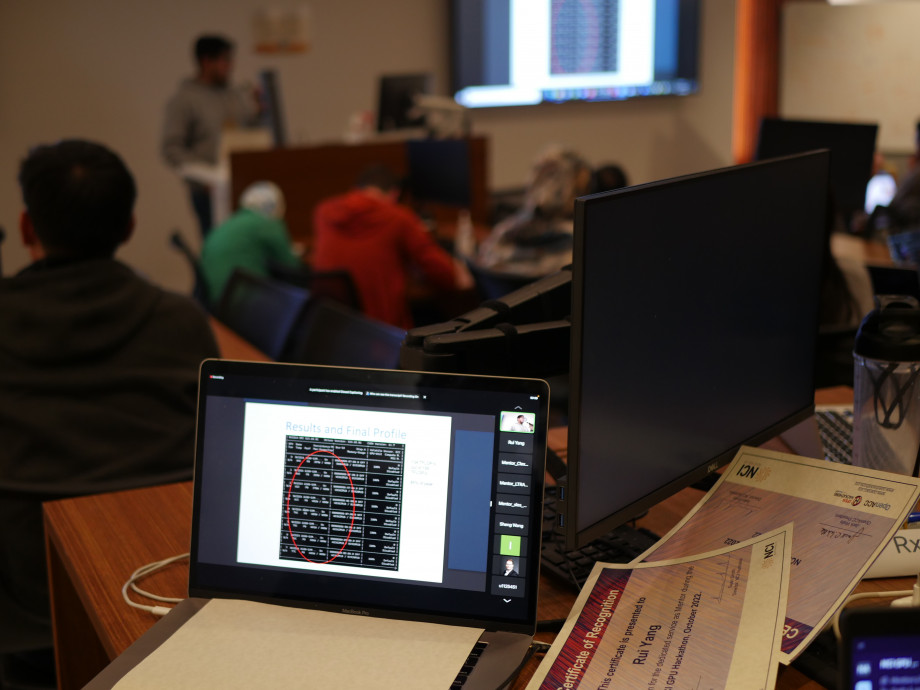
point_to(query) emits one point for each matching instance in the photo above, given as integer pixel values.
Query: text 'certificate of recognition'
(710, 621)
(843, 515)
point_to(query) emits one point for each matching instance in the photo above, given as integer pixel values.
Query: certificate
(843, 515)
(709, 621)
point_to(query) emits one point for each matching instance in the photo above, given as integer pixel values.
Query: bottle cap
(891, 331)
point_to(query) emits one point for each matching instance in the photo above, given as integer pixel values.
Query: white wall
(853, 63)
(103, 69)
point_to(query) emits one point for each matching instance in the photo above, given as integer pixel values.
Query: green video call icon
(511, 545)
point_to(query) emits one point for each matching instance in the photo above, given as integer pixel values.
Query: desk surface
(234, 346)
(95, 542)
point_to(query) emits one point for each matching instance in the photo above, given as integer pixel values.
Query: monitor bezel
(389, 87)
(567, 496)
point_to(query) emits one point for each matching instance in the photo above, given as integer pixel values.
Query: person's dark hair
(608, 177)
(211, 47)
(379, 176)
(79, 196)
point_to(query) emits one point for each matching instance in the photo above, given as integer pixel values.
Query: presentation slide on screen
(344, 490)
(566, 45)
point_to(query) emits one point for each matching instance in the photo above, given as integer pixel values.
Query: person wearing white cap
(253, 238)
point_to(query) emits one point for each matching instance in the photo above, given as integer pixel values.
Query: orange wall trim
(756, 85)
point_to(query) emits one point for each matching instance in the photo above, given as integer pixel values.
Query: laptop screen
(388, 493)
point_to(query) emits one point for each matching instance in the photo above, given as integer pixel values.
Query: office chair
(26, 652)
(335, 284)
(331, 333)
(264, 311)
(199, 288)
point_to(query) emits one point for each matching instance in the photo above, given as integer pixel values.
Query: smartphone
(880, 648)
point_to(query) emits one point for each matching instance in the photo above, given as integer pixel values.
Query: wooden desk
(94, 543)
(234, 346)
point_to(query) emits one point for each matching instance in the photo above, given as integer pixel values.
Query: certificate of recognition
(710, 621)
(843, 515)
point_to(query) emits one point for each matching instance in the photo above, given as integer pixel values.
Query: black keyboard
(835, 427)
(621, 545)
(468, 665)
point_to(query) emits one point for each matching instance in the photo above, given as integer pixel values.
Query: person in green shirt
(253, 238)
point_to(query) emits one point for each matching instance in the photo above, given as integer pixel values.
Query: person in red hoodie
(381, 244)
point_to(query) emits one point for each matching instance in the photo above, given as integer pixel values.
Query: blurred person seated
(98, 367)
(904, 210)
(537, 240)
(846, 290)
(383, 245)
(872, 219)
(846, 297)
(255, 238)
(902, 213)
(846, 286)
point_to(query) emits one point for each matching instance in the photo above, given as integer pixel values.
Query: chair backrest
(335, 284)
(264, 311)
(331, 333)
(200, 288)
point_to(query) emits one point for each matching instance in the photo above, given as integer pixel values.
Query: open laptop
(392, 494)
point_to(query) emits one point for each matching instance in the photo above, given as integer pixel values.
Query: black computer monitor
(852, 147)
(396, 101)
(439, 171)
(694, 323)
(272, 115)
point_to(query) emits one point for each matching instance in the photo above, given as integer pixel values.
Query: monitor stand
(621, 545)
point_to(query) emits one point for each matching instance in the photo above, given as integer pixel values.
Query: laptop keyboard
(835, 427)
(469, 664)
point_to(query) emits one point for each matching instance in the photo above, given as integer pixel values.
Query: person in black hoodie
(98, 367)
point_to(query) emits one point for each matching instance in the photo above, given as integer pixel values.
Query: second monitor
(694, 326)
(852, 147)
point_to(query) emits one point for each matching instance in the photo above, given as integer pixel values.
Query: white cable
(143, 571)
(913, 599)
(865, 595)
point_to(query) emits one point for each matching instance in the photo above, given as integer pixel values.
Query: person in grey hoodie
(199, 111)
(98, 367)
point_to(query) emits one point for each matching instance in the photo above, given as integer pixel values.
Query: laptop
(369, 492)
(827, 434)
